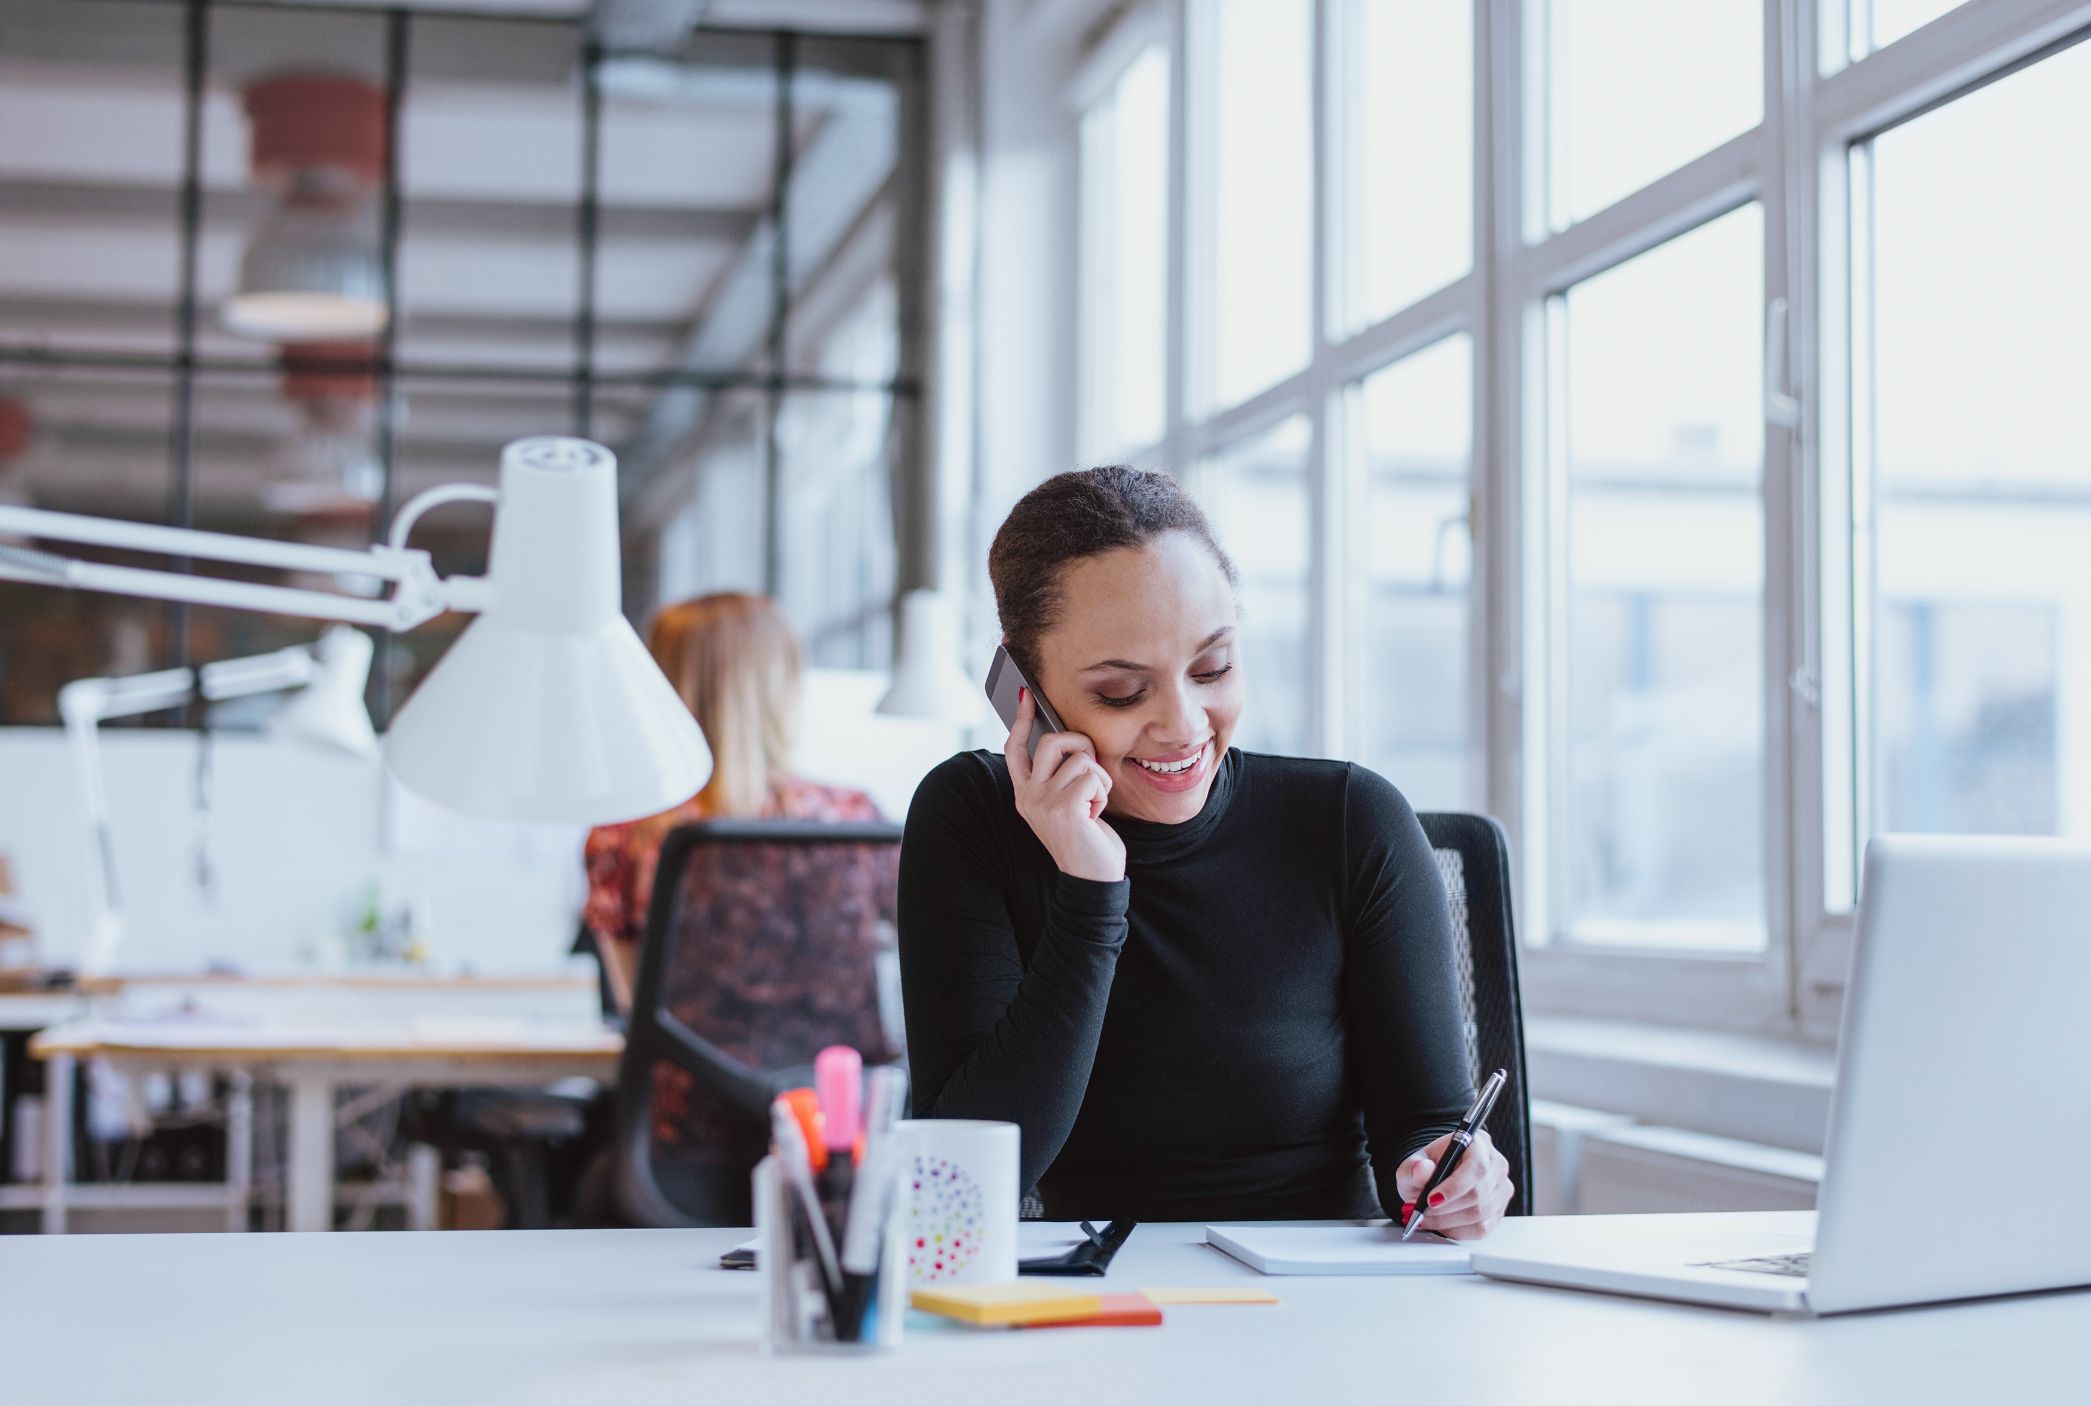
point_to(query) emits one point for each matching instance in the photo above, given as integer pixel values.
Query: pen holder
(796, 1314)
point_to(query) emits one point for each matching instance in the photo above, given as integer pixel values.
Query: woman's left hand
(1471, 1200)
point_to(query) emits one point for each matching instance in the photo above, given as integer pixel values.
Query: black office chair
(1473, 855)
(762, 945)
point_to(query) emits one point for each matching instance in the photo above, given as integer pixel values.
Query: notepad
(1007, 1305)
(1336, 1249)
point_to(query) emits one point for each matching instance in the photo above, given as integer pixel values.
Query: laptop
(1960, 1124)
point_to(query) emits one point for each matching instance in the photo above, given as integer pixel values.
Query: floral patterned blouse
(621, 858)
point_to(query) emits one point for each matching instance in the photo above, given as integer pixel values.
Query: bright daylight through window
(1258, 497)
(1639, 89)
(1659, 806)
(1125, 258)
(1255, 165)
(1632, 479)
(1413, 422)
(1974, 623)
(1406, 197)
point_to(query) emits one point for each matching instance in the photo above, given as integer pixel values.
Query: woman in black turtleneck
(1208, 984)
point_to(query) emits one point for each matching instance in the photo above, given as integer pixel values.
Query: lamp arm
(418, 593)
(85, 704)
(403, 522)
(190, 542)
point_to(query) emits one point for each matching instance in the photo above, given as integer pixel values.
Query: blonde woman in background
(735, 660)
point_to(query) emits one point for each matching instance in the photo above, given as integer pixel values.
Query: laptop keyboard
(1794, 1265)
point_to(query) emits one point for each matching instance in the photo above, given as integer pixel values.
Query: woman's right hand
(1061, 794)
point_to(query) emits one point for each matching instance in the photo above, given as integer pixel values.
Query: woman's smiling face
(1144, 661)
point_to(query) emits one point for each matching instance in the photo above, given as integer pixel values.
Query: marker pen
(838, 1078)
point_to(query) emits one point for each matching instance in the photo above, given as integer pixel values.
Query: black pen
(1462, 1139)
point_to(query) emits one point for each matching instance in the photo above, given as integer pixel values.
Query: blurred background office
(1658, 426)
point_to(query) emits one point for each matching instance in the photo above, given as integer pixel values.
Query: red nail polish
(1408, 1209)
(1437, 1198)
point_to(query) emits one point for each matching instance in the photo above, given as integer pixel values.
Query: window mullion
(1328, 561)
(1489, 666)
(1682, 200)
(1504, 402)
(1182, 255)
(1792, 844)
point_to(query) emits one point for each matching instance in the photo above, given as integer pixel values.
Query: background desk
(645, 1316)
(22, 1014)
(314, 1061)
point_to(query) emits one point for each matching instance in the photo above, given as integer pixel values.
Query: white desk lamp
(928, 680)
(328, 712)
(548, 707)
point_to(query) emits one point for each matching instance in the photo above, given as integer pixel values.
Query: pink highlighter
(838, 1078)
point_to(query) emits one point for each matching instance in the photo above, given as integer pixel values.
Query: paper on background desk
(1337, 1249)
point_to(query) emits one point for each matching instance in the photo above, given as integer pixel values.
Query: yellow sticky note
(1211, 1295)
(1005, 1304)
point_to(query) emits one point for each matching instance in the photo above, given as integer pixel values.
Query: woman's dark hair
(1071, 516)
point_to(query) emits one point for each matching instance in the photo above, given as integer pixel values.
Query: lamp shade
(548, 707)
(329, 711)
(927, 679)
(312, 273)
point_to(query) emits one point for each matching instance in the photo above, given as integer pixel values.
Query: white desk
(644, 1316)
(313, 1061)
(286, 1007)
(22, 1014)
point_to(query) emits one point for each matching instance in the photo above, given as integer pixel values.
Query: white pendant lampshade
(927, 679)
(548, 708)
(312, 273)
(329, 711)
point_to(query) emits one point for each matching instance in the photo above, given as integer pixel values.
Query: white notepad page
(1337, 1249)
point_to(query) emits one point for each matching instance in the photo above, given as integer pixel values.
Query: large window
(1973, 617)
(1659, 425)
(1658, 813)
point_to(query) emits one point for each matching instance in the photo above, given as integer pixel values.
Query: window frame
(1798, 165)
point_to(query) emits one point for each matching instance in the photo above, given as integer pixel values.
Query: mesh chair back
(1473, 855)
(765, 941)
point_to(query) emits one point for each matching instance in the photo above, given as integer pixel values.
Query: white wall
(295, 842)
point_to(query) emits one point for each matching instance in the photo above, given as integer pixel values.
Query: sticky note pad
(1008, 1305)
(1119, 1311)
(1215, 1294)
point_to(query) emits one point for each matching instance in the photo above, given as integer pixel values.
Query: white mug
(961, 1183)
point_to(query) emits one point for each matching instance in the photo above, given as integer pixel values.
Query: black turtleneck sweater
(1261, 1016)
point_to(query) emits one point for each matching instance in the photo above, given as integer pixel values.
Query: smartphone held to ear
(1004, 678)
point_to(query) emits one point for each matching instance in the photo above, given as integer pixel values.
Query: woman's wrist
(1093, 873)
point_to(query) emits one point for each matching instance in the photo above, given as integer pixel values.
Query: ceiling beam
(44, 198)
